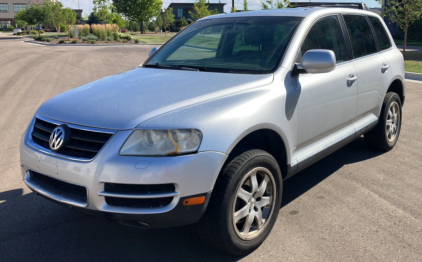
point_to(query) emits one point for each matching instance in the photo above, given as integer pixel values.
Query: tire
(233, 187)
(385, 134)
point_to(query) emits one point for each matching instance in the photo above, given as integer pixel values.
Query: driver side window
(325, 34)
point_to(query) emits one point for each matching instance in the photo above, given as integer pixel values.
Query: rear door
(372, 68)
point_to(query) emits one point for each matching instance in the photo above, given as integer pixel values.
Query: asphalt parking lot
(355, 205)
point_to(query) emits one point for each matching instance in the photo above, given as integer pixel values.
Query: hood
(125, 100)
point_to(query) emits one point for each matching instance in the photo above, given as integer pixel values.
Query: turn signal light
(194, 201)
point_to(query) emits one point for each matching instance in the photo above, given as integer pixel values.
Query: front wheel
(244, 204)
(385, 134)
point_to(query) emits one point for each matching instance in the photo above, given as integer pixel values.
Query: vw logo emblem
(58, 138)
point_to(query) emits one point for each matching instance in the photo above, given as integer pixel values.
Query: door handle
(384, 67)
(352, 78)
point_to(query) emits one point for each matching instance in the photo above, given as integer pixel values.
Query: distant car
(38, 28)
(16, 31)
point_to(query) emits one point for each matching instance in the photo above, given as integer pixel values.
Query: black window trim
(374, 34)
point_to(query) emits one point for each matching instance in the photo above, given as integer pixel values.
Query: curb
(413, 76)
(10, 37)
(93, 45)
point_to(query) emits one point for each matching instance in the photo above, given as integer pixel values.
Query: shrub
(21, 33)
(124, 41)
(124, 30)
(56, 37)
(11, 27)
(84, 39)
(63, 28)
(125, 36)
(116, 36)
(136, 41)
(42, 32)
(74, 41)
(48, 39)
(37, 38)
(92, 37)
(33, 32)
(61, 42)
(109, 38)
(71, 33)
(92, 41)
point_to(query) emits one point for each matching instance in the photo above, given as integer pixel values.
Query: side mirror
(153, 50)
(318, 61)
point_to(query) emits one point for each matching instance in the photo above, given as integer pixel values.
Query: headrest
(254, 36)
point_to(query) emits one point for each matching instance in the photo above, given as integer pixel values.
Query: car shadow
(303, 181)
(33, 229)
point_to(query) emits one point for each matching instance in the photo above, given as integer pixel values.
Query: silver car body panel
(312, 113)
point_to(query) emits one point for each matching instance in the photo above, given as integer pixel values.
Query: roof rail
(361, 5)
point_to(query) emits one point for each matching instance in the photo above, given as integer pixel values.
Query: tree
(183, 22)
(245, 5)
(201, 10)
(55, 14)
(278, 4)
(138, 10)
(120, 21)
(69, 19)
(403, 13)
(103, 10)
(36, 14)
(168, 19)
(92, 19)
(159, 21)
(234, 9)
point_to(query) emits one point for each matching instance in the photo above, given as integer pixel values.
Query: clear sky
(87, 5)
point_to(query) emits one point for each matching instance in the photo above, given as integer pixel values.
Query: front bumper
(192, 175)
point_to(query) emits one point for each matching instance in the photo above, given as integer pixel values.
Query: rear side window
(363, 42)
(380, 32)
(326, 34)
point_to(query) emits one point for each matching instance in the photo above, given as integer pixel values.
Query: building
(8, 9)
(182, 10)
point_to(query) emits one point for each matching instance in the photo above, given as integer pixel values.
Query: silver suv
(207, 129)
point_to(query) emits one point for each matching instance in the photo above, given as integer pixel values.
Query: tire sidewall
(269, 163)
(393, 98)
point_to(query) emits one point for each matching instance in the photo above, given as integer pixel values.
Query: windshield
(238, 44)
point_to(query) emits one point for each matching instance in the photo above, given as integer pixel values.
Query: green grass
(409, 43)
(157, 39)
(54, 34)
(413, 62)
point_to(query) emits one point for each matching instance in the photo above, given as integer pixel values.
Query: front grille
(83, 144)
(59, 187)
(138, 189)
(138, 202)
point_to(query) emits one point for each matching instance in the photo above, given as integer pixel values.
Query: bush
(61, 42)
(92, 37)
(71, 33)
(116, 36)
(136, 41)
(109, 38)
(56, 37)
(125, 36)
(124, 30)
(21, 33)
(11, 27)
(63, 28)
(84, 39)
(48, 39)
(92, 41)
(37, 38)
(42, 32)
(74, 41)
(33, 32)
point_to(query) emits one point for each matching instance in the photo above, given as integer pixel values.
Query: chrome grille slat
(84, 144)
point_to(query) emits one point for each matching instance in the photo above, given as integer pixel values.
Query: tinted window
(238, 44)
(363, 42)
(326, 34)
(382, 35)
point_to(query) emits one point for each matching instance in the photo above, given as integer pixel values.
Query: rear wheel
(244, 204)
(386, 133)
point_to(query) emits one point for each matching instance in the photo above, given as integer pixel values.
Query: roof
(294, 12)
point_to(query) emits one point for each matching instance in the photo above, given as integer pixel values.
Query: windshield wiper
(176, 67)
(193, 67)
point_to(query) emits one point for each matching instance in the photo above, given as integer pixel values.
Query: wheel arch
(265, 139)
(397, 86)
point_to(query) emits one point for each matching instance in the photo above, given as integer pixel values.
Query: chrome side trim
(52, 195)
(31, 143)
(107, 194)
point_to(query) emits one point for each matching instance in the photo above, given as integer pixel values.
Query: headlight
(162, 142)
